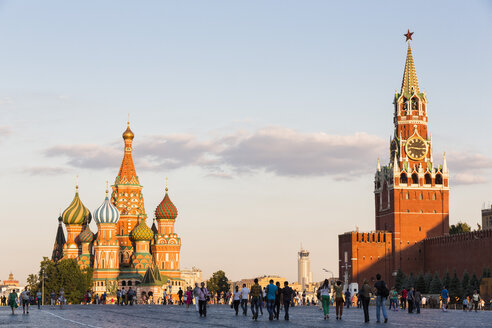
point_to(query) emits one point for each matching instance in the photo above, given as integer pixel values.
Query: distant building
(9, 285)
(305, 276)
(487, 218)
(262, 281)
(191, 276)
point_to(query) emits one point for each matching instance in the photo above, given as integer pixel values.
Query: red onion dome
(166, 209)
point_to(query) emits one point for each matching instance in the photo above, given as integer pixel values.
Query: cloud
(5, 131)
(6, 101)
(287, 152)
(470, 168)
(46, 170)
(87, 156)
(282, 151)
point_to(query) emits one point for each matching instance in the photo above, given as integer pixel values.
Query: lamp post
(330, 272)
(42, 287)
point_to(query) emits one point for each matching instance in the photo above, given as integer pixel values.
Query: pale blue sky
(267, 117)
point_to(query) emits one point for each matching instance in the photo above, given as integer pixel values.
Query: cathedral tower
(167, 244)
(106, 247)
(74, 217)
(128, 199)
(411, 192)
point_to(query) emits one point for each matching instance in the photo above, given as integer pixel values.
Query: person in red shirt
(404, 294)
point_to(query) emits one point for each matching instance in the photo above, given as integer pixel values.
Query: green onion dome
(142, 232)
(76, 213)
(166, 209)
(86, 236)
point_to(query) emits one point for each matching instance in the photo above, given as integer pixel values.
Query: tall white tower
(305, 276)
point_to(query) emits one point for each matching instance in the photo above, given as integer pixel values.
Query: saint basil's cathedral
(124, 252)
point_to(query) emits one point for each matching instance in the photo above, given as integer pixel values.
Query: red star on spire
(408, 35)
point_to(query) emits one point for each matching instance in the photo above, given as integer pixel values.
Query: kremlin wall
(124, 251)
(411, 198)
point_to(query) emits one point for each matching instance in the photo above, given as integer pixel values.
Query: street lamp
(42, 287)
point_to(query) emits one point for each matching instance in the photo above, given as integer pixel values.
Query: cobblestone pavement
(222, 316)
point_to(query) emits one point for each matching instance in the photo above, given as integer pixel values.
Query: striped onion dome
(76, 213)
(86, 236)
(142, 232)
(107, 212)
(166, 209)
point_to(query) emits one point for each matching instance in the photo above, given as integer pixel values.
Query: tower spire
(410, 83)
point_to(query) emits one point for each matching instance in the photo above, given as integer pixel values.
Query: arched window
(403, 178)
(129, 282)
(434, 196)
(438, 179)
(421, 196)
(415, 178)
(123, 283)
(415, 104)
(428, 179)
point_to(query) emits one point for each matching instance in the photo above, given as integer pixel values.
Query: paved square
(109, 316)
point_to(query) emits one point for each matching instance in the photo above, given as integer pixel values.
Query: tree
(435, 285)
(33, 283)
(474, 283)
(446, 280)
(218, 282)
(428, 280)
(465, 285)
(65, 274)
(420, 283)
(409, 282)
(455, 292)
(460, 227)
(399, 280)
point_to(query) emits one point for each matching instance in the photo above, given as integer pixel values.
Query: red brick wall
(470, 251)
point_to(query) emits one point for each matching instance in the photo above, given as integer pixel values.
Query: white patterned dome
(107, 212)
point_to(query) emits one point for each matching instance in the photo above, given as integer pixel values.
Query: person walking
(39, 299)
(325, 298)
(244, 299)
(203, 297)
(180, 296)
(393, 299)
(195, 295)
(410, 299)
(123, 296)
(417, 299)
(237, 300)
(404, 294)
(276, 308)
(25, 299)
(382, 292)
(12, 300)
(118, 297)
(287, 296)
(475, 299)
(164, 297)
(271, 291)
(338, 290)
(444, 298)
(255, 297)
(347, 299)
(61, 298)
(53, 298)
(188, 297)
(365, 298)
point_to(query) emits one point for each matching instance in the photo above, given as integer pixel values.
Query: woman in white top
(475, 299)
(236, 299)
(325, 298)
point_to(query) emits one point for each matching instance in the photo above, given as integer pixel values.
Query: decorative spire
(410, 83)
(127, 173)
(60, 241)
(379, 166)
(396, 169)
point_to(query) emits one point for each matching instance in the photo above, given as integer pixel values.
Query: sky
(266, 116)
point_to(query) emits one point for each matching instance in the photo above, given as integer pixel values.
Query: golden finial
(166, 184)
(77, 183)
(128, 119)
(107, 191)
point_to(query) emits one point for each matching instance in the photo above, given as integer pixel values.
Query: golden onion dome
(142, 232)
(128, 134)
(76, 213)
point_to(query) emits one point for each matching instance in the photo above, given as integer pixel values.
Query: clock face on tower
(416, 148)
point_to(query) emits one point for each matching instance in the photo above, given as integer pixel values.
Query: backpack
(384, 290)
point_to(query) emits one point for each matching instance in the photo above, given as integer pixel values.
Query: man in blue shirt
(271, 291)
(444, 298)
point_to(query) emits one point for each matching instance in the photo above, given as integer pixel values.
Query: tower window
(428, 179)
(415, 104)
(420, 228)
(421, 196)
(434, 196)
(403, 178)
(415, 178)
(407, 195)
(438, 179)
